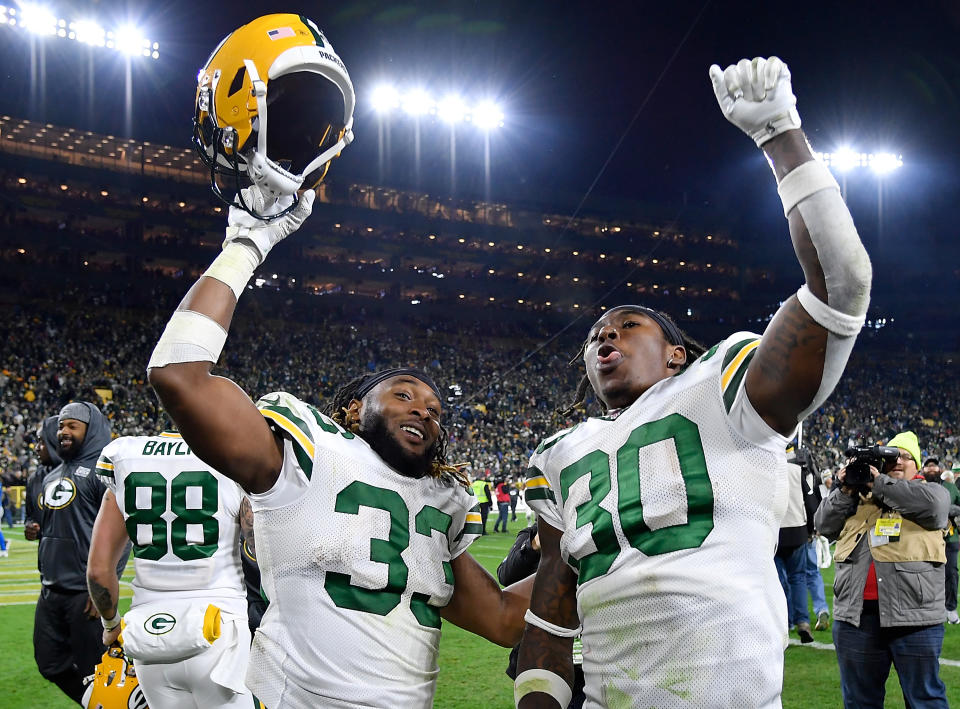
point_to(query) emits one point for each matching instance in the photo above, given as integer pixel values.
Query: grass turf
(471, 669)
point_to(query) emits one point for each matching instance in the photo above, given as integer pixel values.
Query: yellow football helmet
(114, 684)
(282, 62)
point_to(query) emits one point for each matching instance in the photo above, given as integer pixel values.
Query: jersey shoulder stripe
(105, 467)
(736, 361)
(282, 412)
(474, 522)
(536, 486)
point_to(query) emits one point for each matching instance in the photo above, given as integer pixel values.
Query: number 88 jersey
(182, 518)
(670, 512)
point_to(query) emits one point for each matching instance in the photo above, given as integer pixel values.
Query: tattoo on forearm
(246, 527)
(554, 598)
(102, 599)
(794, 330)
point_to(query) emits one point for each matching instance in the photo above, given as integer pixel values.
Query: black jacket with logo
(70, 499)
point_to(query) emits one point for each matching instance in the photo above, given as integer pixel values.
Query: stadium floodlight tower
(452, 109)
(845, 159)
(487, 116)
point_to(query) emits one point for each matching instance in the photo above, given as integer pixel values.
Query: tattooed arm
(798, 361)
(246, 528)
(554, 600)
(107, 544)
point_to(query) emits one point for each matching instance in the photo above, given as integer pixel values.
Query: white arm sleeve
(811, 189)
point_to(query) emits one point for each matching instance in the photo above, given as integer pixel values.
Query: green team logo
(59, 493)
(159, 623)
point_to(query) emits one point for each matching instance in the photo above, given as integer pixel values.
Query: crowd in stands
(505, 386)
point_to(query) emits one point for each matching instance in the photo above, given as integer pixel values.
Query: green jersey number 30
(596, 465)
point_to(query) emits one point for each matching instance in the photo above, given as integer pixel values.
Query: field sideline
(471, 669)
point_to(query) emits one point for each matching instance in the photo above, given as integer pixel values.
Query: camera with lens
(862, 457)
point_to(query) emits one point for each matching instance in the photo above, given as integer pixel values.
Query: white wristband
(188, 337)
(234, 266)
(111, 623)
(840, 324)
(546, 625)
(545, 682)
(804, 181)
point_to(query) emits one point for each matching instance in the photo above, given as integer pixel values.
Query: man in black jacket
(66, 635)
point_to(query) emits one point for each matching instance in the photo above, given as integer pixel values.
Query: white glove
(259, 235)
(756, 96)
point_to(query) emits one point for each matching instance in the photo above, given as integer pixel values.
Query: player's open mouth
(413, 432)
(608, 357)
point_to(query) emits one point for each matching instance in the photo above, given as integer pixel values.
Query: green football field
(471, 669)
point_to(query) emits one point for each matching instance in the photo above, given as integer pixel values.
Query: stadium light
(882, 163)
(88, 32)
(487, 116)
(845, 159)
(417, 102)
(40, 20)
(451, 109)
(127, 40)
(37, 19)
(384, 98)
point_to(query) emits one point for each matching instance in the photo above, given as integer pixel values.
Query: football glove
(260, 235)
(757, 97)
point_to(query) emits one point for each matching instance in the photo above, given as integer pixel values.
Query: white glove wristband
(234, 266)
(188, 337)
(111, 623)
(840, 324)
(804, 181)
(542, 681)
(553, 629)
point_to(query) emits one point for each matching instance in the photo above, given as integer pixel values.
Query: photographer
(889, 586)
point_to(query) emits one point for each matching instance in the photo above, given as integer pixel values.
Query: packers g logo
(59, 493)
(159, 623)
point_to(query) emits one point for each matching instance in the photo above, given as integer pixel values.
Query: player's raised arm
(545, 672)
(274, 106)
(805, 347)
(214, 416)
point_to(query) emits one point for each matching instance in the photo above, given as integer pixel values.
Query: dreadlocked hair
(694, 351)
(439, 469)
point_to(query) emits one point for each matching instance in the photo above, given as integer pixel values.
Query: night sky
(614, 94)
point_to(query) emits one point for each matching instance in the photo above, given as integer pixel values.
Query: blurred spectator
(502, 492)
(889, 583)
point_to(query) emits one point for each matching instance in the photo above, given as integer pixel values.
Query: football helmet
(284, 65)
(114, 684)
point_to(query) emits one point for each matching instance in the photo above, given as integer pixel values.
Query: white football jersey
(670, 513)
(182, 517)
(355, 564)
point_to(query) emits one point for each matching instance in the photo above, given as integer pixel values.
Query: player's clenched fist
(756, 96)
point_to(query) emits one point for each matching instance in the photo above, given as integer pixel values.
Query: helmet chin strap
(273, 181)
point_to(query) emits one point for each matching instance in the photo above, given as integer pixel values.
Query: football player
(184, 520)
(362, 525)
(643, 510)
